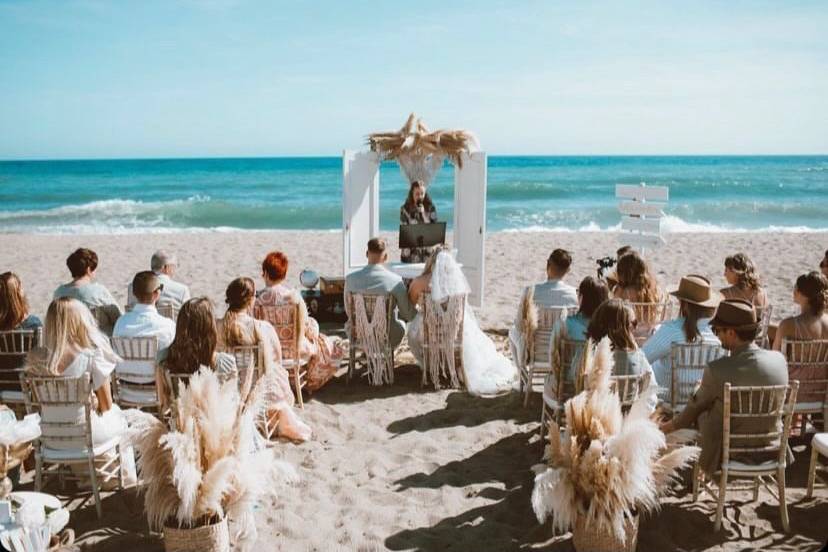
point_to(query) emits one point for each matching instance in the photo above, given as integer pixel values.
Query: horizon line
(318, 156)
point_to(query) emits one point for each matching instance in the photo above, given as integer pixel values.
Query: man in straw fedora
(697, 304)
(736, 326)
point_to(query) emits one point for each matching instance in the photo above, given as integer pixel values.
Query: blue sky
(171, 78)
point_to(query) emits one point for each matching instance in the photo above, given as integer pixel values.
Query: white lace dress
(487, 371)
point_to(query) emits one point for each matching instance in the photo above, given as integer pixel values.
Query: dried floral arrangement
(419, 151)
(210, 462)
(607, 466)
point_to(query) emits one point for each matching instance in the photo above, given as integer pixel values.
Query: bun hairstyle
(741, 265)
(239, 296)
(814, 286)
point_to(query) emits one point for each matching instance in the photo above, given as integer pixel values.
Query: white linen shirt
(144, 321)
(555, 293)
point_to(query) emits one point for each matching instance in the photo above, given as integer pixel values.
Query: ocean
(707, 194)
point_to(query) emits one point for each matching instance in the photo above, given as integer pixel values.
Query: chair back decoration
(808, 363)
(14, 346)
(168, 310)
(368, 329)
(64, 405)
(134, 378)
(687, 364)
(286, 320)
(443, 339)
(757, 419)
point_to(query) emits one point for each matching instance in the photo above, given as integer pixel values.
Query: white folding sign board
(470, 222)
(642, 209)
(360, 206)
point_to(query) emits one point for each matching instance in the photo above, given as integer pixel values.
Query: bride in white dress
(487, 371)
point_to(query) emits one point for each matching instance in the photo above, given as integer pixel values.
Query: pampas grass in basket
(607, 467)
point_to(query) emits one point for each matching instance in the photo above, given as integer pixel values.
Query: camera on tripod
(606, 263)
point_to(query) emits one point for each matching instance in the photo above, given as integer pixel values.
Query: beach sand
(405, 468)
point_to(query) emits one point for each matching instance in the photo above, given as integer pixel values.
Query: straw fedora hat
(696, 289)
(737, 314)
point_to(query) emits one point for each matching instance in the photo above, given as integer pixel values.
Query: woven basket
(206, 538)
(588, 540)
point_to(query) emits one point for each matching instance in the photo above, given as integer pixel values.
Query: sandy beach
(403, 468)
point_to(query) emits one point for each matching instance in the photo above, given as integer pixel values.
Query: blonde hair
(741, 265)
(14, 308)
(69, 323)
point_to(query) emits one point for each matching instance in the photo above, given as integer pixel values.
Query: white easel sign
(641, 208)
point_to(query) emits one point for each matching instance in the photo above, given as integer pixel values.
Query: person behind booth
(417, 209)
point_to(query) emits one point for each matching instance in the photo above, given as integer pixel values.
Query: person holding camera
(417, 209)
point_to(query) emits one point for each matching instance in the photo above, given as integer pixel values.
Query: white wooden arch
(361, 213)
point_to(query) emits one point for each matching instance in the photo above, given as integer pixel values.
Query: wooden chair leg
(298, 386)
(755, 489)
(528, 388)
(93, 479)
(812, 472)
(783, 504)
(696, 480)
(720, 506)
(119, 451)
(351, 363)
(38, 472)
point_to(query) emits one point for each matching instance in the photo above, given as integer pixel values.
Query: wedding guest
(237, 328)
(321, 353)
(554, 292)
(375, 279)
(591, 293)
(637, 284)
(697, 304)
(14, 307)
(164, 265)
(82, 264)
(74, 346)
(735, 324)
(143, 320)
(612, 279)
(417, 209)
(811, 294)
(615, 320)
(744, 282)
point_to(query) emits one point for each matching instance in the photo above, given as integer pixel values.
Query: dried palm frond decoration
(420, 152)
(607, 467)
(206, 467)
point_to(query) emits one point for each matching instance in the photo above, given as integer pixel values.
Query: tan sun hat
(696, 289)
(737, 314)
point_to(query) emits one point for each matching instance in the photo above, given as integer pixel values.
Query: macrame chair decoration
(372, 336)
(419, 152)
(443, 339)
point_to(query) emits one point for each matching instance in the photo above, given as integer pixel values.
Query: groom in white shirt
(143, 320)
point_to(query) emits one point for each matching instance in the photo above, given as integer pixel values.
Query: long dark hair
(14, 308)
(616, 320)
(410, 205)
(592, 292)
(195, 338)
(692, 313)
(634, 272)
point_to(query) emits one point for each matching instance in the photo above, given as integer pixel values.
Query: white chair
(14, 346)
(629, 387)
(168, 310)
(443, 339)
(368, 327)
(819, 446)
(687, 364)
(648, 317)
(763, 315)
(133, 381)
(808, 363)
(250, 364)
(287, 321)
(539, 353)
(65, 408)
(756, 419)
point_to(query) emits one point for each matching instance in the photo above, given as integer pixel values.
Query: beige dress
(281, 398)
(317, 350)
(757, 297)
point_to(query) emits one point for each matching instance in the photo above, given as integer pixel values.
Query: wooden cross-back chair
(287, 321)
(540, 349)
(168, 310)
(14, 346)
(629, 387)
(250, 364)
(367, 328)
(763, 315)
(687, 364)
(808, 363)
(65, 442)
(552, 407)
(133, 380)
(756, 420)
(443, 339)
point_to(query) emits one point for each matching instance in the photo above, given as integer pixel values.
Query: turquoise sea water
(524, 193)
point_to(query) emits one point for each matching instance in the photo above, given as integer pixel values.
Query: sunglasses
(159, 288)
